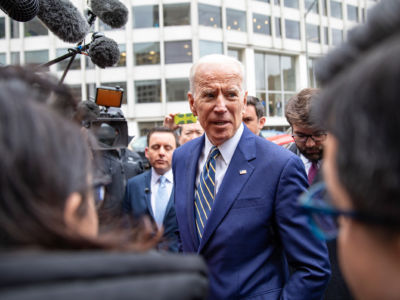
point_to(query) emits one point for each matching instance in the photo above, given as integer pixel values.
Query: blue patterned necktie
(161, 202)
(205, 193)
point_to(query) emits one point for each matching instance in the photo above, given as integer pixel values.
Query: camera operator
(119, 163)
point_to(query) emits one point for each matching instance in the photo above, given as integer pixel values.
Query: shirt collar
(227, 149)
(308, 162)
(155, 176)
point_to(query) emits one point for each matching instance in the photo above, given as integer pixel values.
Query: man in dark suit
(151, 193)
(236, 198)
(308, 145)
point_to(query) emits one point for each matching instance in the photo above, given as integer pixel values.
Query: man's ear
(72, 204)
(192, 104)
(261, 122)
(146, 150)
(244, 102)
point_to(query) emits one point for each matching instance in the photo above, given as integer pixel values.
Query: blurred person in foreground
(151, 193)
(254, 115)
(236, 198)
(186, 132)
(359, 106)
(49, 247)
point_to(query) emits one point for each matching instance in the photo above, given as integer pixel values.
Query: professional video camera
(110, 127)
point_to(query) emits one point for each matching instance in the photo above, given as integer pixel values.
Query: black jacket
(100, 275)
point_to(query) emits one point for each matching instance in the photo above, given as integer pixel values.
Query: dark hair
(259, 107)
(45, 158)
(360, 107)
(162, 129)
(297, 110)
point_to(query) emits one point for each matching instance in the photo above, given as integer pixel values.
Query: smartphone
(185, 118)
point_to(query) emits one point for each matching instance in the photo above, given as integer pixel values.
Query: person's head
(46, 195)
(217, 96)
(307, 135)
(254, 115)
(161, 143)
(360, 110)
(189, 132)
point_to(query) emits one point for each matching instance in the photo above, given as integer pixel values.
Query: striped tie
(204, 196)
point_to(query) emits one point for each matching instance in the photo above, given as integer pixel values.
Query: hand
(169, 122)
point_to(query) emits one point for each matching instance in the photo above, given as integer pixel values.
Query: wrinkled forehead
(209, 74)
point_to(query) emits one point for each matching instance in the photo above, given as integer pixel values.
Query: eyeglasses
(99, 192)
(323, 216)
(302, 138)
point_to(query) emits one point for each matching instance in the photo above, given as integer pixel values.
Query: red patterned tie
(312, 172)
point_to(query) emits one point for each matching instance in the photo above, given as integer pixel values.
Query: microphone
(147, 190)
(103, 52)
(20, 10)
(63, 19)
(111, 12)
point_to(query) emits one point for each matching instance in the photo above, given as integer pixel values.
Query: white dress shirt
(222, 162)
(155, 183)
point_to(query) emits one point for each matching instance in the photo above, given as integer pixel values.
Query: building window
(209, 47)
(210, 15)
(146, 53)
(148, 91)
(36, 57)
(122, 85)
(236, 53)
(15, 58)
(324, 7)
(176, 14)
(145, 16)
(261, 24)
(326, 35)
(275, 81)
(291, 3)
(62, 65)
(178, 52)
(2, 28)
(308, 3)
(292, 29)
(144, 127)
(177, 89)
(277, 2)
(266, 1)
(336, 9)
(14, 27)
(337, 36)
(2, 58)
(352, 13)
(235, 20)
(313, 33)
(122, 56)
(312, 81)
(278, 27)
(35, 28)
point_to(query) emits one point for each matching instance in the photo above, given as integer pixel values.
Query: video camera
(110, 127)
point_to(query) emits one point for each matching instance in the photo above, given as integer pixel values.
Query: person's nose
(161, 152)
(310, 142)
(220, 106)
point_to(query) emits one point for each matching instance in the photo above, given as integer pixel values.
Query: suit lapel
(191, 171)
(234, 180)
(169, 205)
(147, 192)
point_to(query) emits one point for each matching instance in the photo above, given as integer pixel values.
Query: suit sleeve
(306, 255)
(126, 203)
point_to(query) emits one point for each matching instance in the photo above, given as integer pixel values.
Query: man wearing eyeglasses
(308, 145)
(308, 138)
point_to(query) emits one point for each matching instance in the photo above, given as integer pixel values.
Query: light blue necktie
(205, 194)
(161, 202)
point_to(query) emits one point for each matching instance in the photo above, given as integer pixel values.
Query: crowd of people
(254, 220)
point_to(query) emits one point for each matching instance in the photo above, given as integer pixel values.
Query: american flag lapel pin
(242, 172)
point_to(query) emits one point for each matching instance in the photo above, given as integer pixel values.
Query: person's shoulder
(270, 150)
(138, 179)
(188, 147)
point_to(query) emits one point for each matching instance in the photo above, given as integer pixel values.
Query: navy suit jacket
(255, 227)
(137, 201)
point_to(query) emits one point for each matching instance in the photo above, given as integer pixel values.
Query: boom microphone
(20, 10)
(111, 12)
(104, 52)
(64, 20)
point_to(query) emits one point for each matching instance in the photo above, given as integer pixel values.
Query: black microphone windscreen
(112, 12)
(20, 10)
(64, 20)
(104, 52)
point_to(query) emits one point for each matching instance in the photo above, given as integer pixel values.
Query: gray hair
(217, 59)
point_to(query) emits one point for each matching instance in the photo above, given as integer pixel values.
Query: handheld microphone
(20, 10)
(63, 19)
(104, 52)
(111, 12)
